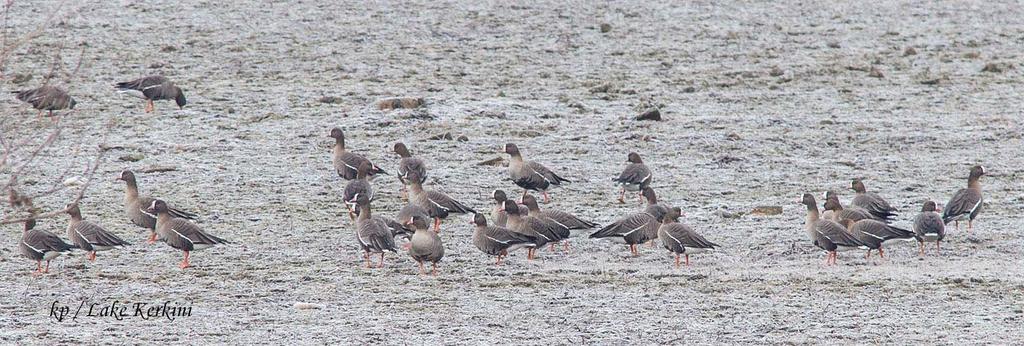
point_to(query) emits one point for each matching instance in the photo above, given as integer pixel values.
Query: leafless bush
(24, 140)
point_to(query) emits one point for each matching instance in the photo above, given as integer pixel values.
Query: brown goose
(635, 177)
(405, 216)
(135, 206)
(928, 226)
(409, 165)
(966, 203)
(654, 208)
(530, 227)
(875, 234)
(531, 175)
(498, 211)
(872, 202)
(426, 245)
(153, 88)
(681, 239)
(837, 213)
(181, 233)
(89, 236)
(373, 234)
(633, 229)
(46, 98)
(358, 186)
(438, 205)
(496, 240)
(566, 225)
(39, 246)
(346, 163)
(827, 234)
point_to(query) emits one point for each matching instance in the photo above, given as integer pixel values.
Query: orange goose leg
(366, 256)
(622, 196)
(92, 256)
(437, 225)
(677, 260)
(39, 268)
(970, 225)
(420, 264)
(381, 265)
(546, 199)
(149, 106)
(687, 259)
(434, 271)
(47, 270)
(937, 249)
(957, 223)
(152, 237)
(552, 247)
(921, 248)
(565, 246)
(867, 255)
(881, 253)
(184, 262)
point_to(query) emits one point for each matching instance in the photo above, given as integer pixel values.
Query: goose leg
(420, 264)
(92, 256)
(677, 260)
(152, 237)
(957, 223)
(881, 253)
(921, 248)
(498, 263)
(687, 259)
(366, 256)
(521, 199)
(437, 225)
(867, 255)
(381, 265)
(47, 270)
(184, 262)
(149, 107)
(970, 225)
(565, 246)
(552, 247)
(434, 271)
(622, 196)
(39, 268)
(546, 199)
(937, 249)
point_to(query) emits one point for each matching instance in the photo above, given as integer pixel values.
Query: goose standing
(409, 165)
(827, 234)
(373, 234)
(153, 88)
(357, 186)
(437, 204)
(838, 213)
(347, 163)
(136, 205)
(872, 202)
(89, 236)
(635, 177)
(497, 240)
(46, 98)
(682, 239)
(531, 175)
(530, 227)
(498, 211)
(567, 225)
(180, 233)
(928, 226)
(39, 246)
(966, 203)
(636, 228)
(426, 245)
(875, 234)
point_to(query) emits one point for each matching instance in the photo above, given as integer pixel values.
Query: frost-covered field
(763, 102)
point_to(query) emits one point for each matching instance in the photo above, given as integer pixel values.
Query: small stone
(168, 49)
(331, 100)
(443, 136)
(605, 27)
(996, 67)
(728, 215)
(875, 73)
(909, 51)
(400, 103)
(133, 157)
(767, 210)
(158, 169)
(462, 138)
(732, 136)
(19, 78)
(833, 44)
(776, 71)
(689, 89)
(650, 114)
(307, 306)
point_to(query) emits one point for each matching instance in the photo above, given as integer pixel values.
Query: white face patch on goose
(145, 212)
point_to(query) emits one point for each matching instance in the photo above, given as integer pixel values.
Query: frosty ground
(762, 103)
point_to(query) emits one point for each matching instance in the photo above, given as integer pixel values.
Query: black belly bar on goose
(531, 175)
(966, 203)
(635, 177)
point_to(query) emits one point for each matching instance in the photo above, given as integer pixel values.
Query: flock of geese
(514, 225)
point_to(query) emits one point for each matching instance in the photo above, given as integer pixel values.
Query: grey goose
(929, 227)
(497, 240)
(531, 227)
(567, 225)
(966, 203)
(373, 235)
(409, 165)
(635, 177)
(531, 175)
(358, 186)
(136, 206)
(426, 245)
(89, 236)
(153, 88)
(498, 211)
(39, 246)
(180, 233)
(347, 163)
(876, 234)
(872, 202)
(682, 239)
(437, 204)
(827, 234)
(46, 98)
